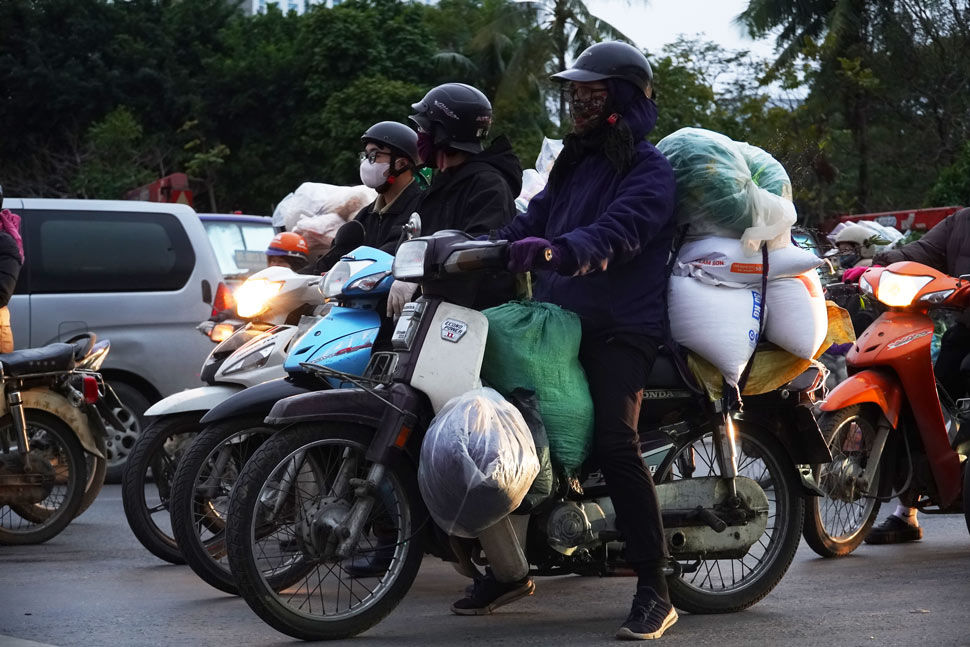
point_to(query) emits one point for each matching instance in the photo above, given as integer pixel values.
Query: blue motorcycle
(343, 339)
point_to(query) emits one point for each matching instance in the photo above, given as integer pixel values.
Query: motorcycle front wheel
(291, 490)
(730, 585)
(54, 442)
(146, 487)
(837, 524)
(200, 494)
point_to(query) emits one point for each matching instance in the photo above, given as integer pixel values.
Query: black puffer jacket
(945, 247)
(383, 230)
(9, 267)
(477, 196)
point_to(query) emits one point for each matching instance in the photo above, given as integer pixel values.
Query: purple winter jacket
(620, 231)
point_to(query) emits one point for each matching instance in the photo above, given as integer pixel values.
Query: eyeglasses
(372, 155)
(582, 93)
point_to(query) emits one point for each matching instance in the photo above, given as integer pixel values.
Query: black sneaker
(894, 531)
(488, 594)
(372, 564)
(649, 617)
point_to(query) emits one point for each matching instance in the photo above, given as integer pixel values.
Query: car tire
(120, 441)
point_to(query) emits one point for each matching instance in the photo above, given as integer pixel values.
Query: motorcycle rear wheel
(713, 586)
(198, 518)
(837, 524)
(295, 601)
(147, 483)
(53, 439)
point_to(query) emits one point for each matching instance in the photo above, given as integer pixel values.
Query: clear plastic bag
(478, 461)
(316, 198)
(318, 231)
(718, 191)
(534, 180)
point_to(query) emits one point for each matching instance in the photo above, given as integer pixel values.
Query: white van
(141, 274)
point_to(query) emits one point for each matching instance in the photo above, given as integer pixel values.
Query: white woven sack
(724, 261)
(796, 316)
(718, 323)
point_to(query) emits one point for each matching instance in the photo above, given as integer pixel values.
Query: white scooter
(274, 300)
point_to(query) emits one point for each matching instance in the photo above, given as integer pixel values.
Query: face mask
(586, 113)
(849, 260)
(426, 148)
(374, 175)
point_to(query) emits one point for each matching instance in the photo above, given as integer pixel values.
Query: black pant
(617, 368)
(952, 367)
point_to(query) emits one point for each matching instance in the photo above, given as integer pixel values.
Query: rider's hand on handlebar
(401, 293)
(533, 254)
(852, 274)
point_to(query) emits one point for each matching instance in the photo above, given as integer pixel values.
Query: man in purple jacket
(598, 239)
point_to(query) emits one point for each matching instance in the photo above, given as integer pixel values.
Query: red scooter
(891, 430)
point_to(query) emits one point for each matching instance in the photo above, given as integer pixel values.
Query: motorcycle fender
(202, 398)
(259, 399)
(875, 387)
(59, 406)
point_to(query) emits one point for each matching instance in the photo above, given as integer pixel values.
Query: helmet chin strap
(392, 175)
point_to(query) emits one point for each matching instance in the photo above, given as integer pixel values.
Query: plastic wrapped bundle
(718, 190)
(478, 461)
(534, 180)
(724, 261)
(535, 346)
(316, 198)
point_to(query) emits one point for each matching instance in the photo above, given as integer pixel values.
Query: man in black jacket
(388, 165)
(474, 187)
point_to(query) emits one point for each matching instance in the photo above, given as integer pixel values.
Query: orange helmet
(288, 244)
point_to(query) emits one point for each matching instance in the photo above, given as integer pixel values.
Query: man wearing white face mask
(387, 165)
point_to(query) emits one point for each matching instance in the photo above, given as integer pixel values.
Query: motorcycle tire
(856, 515)
(150, 461)
(267, 591)
(95, 469)
(197, 523)
(966, 493)
(780, 478)
(56, 515)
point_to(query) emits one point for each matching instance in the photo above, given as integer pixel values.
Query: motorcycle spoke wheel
(837, 523)
(728, 585)
(54, 443)
(290, 497)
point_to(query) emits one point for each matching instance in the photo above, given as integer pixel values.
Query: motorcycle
(50, 421)
(358, 286)
(891, 428)
(273, 300)
(338, 484)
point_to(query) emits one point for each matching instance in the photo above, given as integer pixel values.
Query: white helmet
(861, 236)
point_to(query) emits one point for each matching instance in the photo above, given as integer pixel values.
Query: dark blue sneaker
(488, 594)
(649, 617)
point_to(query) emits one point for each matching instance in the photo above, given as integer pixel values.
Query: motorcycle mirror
(349, 236)
(413, 227)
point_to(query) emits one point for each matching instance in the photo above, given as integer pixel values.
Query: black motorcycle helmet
(457, 115)
(611, 60)
(402, 139)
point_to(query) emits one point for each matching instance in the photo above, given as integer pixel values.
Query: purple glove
(533, 253)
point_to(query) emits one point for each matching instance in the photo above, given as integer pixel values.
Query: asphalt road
(95, 585)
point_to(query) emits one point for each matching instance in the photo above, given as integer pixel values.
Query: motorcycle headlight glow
(339, 274)
(409, 260)
(899, 290)
(254, 296)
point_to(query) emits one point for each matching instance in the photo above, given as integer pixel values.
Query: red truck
(906, 219)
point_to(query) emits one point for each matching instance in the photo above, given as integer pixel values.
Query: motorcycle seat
(664, 373)
(47, 359)
(83, 344)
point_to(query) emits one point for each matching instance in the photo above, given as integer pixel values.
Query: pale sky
(655, 23)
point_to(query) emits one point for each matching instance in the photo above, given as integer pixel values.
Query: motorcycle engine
(573, 525)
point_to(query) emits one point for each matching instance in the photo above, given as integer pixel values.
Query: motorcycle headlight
(898, 290)
(367, 283)
(339, 274)
(254, 296)
(409, 260)
(254, 359)
(864, 285)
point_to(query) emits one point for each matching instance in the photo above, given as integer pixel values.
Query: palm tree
(842, 33)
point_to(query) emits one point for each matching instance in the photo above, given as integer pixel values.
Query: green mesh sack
(535, 346)
(728, 188)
